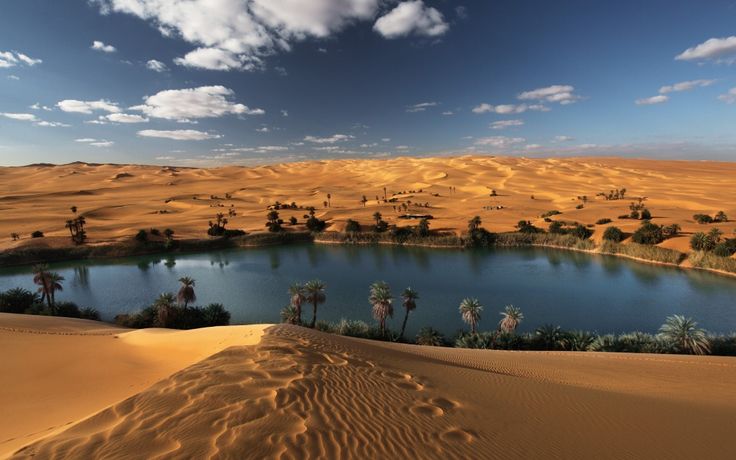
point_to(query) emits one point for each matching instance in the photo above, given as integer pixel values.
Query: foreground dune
(118, 200)
(298, 393)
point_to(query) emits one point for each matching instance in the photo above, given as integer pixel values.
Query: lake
(573, 290)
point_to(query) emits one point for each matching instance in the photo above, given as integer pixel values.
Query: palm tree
(377, 217)
(315, 291)
(164, 306)
(380, 298)
(550, 336)
(289, 315)
(470, 310)
(53, 284)
(512, 317)
(474, 224)
(409, 301)
(329, 200)
(297, 298)
(685, 334)
(186, 292)
(39, 278)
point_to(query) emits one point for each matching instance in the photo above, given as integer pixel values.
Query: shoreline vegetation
(698, 260)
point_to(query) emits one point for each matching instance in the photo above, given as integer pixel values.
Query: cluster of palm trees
(471, 308)
(48, 283)
(312, 292)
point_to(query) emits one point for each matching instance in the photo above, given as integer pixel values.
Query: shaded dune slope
(304, 394)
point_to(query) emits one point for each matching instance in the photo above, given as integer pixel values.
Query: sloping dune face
(304, 394)
(118, 200)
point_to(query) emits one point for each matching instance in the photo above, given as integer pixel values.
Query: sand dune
(119, 200)
(298, 393)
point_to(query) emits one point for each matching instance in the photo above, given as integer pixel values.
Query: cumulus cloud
(29, 117)
(421, 107)
(87, 107)
(95, 142)
(411, 18)
(714, 49)
(192, 103)
(330, 139)
(506, 109)
(685, 86)
(38, 106)
(499, 142)
(243, 29)
(564, 139)
(562, 94)
(124, 118)
(504, 124)
(179, 134)
(218, 59)
(659, 99)
(729, 97)
(13, 77)
(100, 46)
(156, 66)
(14, 58)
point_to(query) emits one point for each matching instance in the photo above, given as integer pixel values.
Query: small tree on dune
(186, 293)
(470, 310)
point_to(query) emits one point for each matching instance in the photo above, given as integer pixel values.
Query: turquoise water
(573, 290)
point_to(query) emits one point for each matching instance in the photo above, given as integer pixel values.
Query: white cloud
(179, 134)
(87, 107)
(218, 59)
(156, 66)
(503, 124)
(532, 146)
(284, 113)
(448, 113)
(329, 140)
(421, 107)
(499, 142)
(411, 18)
(241, 29)
(124, 118)
(20, 116)
(564, 139)
(386, 139)
(506, 109)
(52, 124)
(13, 58)
(281, 71)
(100, 46)
(13, 77)
(402, 147)
(562, 94)
(659, 99)
(102, 144)
(186, 104)
(38, 106)
(85, 140)
(729, 97)
(716, 49)
(263, 129)
(685, 86)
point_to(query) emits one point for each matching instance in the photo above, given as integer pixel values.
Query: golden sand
(298, 393)
(119, 200)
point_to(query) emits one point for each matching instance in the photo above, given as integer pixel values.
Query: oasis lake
(573, 290)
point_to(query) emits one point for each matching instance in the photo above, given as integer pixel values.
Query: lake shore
(293, 382)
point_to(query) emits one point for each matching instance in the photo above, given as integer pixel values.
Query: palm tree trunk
(403, 326)
(314, 315)
(298, 313)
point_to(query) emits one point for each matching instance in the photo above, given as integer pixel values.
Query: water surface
(573, 290)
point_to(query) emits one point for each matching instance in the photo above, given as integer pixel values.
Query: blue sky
(208, 82)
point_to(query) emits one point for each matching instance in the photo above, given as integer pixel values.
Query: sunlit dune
(117, 201)
(294, 392)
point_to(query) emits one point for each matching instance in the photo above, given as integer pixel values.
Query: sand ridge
(299, 393)
(118, 200)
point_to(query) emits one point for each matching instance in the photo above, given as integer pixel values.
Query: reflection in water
(612, 265)
(81, 276)
(646, 274)
(144, 265)
(273, 257)
(220, 259)
(170, 262)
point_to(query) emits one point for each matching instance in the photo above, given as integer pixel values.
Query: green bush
(352, 226)
(37, 234)
(613, 234)
(603, 221)
(180, 317)
(17, 300)
(648, 233)
(430, 336)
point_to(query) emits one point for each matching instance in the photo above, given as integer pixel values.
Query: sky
(217, 82)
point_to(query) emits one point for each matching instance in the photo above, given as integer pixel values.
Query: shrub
(551, 213)
(702, 218)
(648, 233)
(702, 242)
(430, 336)
(231, 233)
(141, 236)
(180, 318)
(292, 220)
(643, 251)
(725, 248)
(37, 234)
(352, 226)
(17, 300)
(215, 314)
(525, 226)
(613, 234)
(155, 232)
(556, 227)
(645, 214)
(89, 313)
(67, 309)
(576, 340)
(580, 231)
(315, 224)
(603, 221)
(480, 340)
